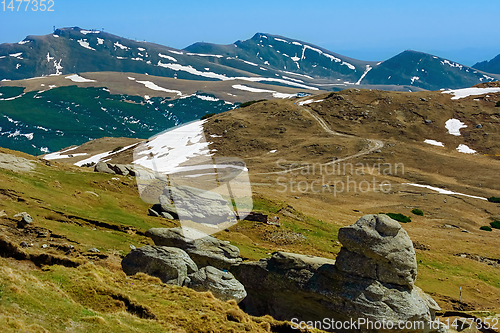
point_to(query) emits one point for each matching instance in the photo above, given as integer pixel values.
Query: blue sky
(464, 31)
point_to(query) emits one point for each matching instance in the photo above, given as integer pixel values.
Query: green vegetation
(298, 233)
(71, 115)
(206, 116)
(244, 105)
(495, 224)
(417, 211)
(494, 199)
(8, 92)
(498, 104)
(117, 149)
(485, 228)
(398, 217)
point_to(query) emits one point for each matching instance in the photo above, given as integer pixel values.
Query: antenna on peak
(54, 27)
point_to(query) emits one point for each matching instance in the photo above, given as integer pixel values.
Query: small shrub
(244, 105)
(206, 116)
(498, 104)
(417, 211)
(495, 224)
(494, 199)
(117, 149)
(398, 217)
(485, 228)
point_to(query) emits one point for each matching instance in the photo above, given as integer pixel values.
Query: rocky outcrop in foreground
(372, 278)
(205, 251)
(176, 259)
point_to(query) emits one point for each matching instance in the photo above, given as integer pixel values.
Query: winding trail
(372, 144)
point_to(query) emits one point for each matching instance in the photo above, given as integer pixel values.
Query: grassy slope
(399, 120)
(96, 296)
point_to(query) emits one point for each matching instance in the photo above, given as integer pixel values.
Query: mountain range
(263, 58)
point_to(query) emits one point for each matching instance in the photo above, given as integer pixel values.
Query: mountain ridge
(264, 58)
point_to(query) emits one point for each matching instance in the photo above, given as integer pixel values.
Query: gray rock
(376, 247)
(372, 278)
(23, 244)
(171, 265)
(26, 219)
(120, 169)
(94, 250)
(428, 121)
(167, 205)
(206, 251)
(197, 205)
(103, 167)
(479, 126)
(223, 285)
(152, 212)
(167, 216)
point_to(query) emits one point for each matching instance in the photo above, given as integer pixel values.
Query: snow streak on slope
(442, 191)
(153, 86)
(462, 93)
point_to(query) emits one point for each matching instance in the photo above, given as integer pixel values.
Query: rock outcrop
(189, 203)
(223, 285)
(205, 251)
(171, 265)
(26, 219)
(118, 169)
(372, 278)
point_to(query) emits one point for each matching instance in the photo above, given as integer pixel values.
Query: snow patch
(85, 44)
(123, 47)
(16, 55)
(167, 151)
(153, 86)
(462, 93)
(453, 126)
(205, 55)
(443, 191)
(100, 41)
(167, 57)
(78, 78)
(415, 78)
(309, 101)
(175, 52)
(255, 90)
(89, 32)
(465, 149)
(434, 143)
(368, 68)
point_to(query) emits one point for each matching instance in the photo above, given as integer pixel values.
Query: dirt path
(372, 144)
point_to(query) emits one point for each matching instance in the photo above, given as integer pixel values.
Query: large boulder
(372, 278)
(376, 247)
(196, 205)
(103, 168)
(171, 265)
(205, 251)
(223, 285)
